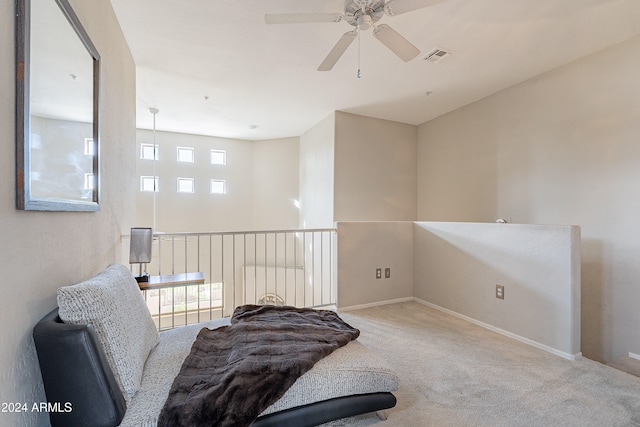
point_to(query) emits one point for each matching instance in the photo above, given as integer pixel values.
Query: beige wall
(42, 251)
(356, 168)
(317, 175)
(365, 246)
(262, 182)
(561, 148)
(458, 265)
(275, 183)
(375, 169)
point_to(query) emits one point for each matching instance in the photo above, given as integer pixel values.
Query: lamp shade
(141, 241)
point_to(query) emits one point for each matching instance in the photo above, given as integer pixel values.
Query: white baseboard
(375, 304)
(516, 337)
(634, 356)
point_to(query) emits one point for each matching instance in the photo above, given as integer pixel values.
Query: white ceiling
(214, 67)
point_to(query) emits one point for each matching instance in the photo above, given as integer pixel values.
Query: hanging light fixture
(141, 241)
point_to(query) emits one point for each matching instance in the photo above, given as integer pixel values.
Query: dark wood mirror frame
(25, 199)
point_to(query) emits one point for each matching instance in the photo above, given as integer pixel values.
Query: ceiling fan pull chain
(358, 74)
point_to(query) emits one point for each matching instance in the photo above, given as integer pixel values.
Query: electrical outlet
(387, 273)
(499, 291)
(378, 273)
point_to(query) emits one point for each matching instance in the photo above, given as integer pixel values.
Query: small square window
(88, 147)
(218, 186)
(88, 181)
(218, 157)
(149, 183)
(149, 151)
(185, 154)
(186, 185)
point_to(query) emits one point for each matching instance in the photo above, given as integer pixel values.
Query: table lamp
(140, 250)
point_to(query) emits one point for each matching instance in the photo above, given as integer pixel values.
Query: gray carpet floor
(455, 373)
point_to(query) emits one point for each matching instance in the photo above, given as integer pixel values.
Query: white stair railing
(285, 267)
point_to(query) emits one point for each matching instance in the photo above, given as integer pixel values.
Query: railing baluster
(265, 267)
(275, 263)
(159, 308)
(286, 270)
(173, 254)
(173, 307)
(233, 272)
(304, 268)
(295, 263)
(198, 264)
(159, 256)
(244, 268)
(255, 269)
(224, 282)
(330, 266)
(313, 268)
(211, 278)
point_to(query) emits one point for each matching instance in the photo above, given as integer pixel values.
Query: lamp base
(142, 278)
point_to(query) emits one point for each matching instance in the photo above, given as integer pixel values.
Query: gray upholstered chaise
(79, 364)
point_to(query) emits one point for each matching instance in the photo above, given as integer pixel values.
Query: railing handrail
(228, 233)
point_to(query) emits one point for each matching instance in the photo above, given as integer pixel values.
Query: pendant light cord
(154, 111)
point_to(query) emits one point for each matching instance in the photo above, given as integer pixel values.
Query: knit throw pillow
(113, 304)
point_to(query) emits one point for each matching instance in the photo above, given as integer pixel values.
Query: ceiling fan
(362, 14)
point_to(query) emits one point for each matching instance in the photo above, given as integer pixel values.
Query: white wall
(316, 175)
(42, 251)
(561, 148)
(458, 265)
(199, 211)
(262, 183)
(375, 169)
(365, 246)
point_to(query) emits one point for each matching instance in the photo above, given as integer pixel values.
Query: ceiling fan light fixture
(364, 22)
(361, 14)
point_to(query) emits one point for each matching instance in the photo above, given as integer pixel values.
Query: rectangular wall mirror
(57, 126)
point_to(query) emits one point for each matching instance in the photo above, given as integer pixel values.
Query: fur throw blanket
(235, 372)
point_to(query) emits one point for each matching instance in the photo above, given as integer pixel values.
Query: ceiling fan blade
(395, 42)
(337, 51)
(301, 18)
(398, 7)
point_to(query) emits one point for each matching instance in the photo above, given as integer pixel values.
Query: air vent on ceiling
(436, 55)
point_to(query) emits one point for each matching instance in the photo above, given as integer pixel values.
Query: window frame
(191, 180)
(224, 157)
(156, 184)
(190, 149)
(224, 186)
(154, 147)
